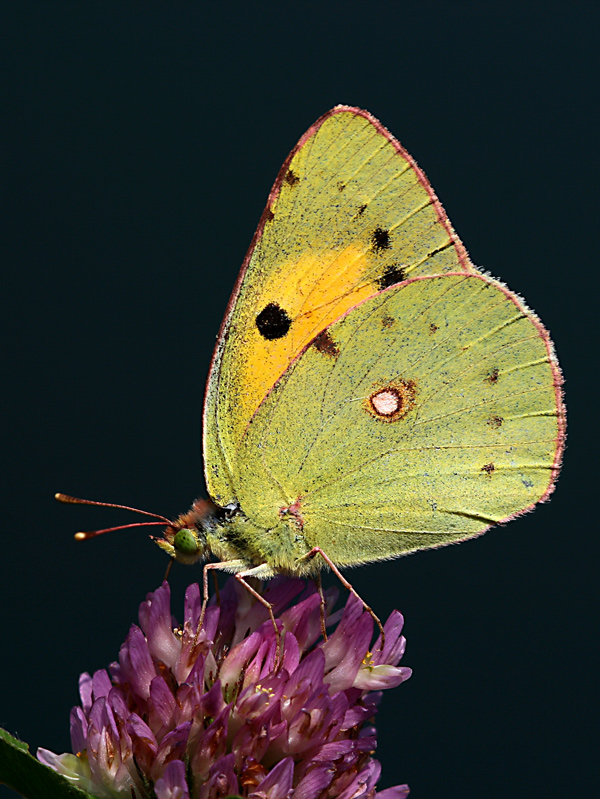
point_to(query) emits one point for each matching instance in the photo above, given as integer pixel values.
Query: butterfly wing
(350, 214)
(434, 412)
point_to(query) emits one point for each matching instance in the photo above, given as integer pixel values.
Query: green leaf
(32, 779)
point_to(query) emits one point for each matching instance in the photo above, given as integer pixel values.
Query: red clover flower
(177, 718)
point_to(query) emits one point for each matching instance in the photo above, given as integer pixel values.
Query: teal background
(140, 142)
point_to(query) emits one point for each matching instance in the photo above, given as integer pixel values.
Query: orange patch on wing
(311, 305)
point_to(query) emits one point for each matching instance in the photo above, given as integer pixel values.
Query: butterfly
(371, 392)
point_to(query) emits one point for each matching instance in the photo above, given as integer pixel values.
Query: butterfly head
(185, 539)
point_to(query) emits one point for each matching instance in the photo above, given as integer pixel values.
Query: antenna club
(81, 536)
(65, 498)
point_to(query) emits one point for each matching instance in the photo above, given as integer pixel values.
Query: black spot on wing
(380, 240)
(291, 178)
(273, 322)
(393, 274)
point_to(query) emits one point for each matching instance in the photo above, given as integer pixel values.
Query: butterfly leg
(322, 596)
(348, 586)
(261, 572)
(217, 592)
(228, 566)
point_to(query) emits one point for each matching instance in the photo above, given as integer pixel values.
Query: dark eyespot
(393, 274)
(380, 240)
(273, 322)
(493, 376)
(291, 178)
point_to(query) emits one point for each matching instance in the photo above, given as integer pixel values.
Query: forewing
(350, 214)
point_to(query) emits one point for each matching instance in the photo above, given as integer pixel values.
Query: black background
(141, 141)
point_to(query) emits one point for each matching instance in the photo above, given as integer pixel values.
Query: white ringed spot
(393, 401)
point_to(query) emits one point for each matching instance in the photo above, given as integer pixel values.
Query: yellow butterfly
(371, 392)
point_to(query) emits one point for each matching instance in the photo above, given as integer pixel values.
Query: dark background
(141, 141)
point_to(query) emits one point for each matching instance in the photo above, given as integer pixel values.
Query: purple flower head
(187, 716)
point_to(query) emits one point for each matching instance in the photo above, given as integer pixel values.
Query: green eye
(186, 542)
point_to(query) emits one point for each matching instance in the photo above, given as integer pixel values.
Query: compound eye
(186, 542)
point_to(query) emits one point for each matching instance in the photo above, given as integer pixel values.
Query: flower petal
(136, 664)
(162, 712)
(211, 745)
(398, 792)
(85, 692)
(172, 784)
(163, 644)
(394, 642)
(377, 677)
(278, 783)
(315, 782)
(350, 648)
(222, 780)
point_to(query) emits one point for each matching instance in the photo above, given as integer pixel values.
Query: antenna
(83, 536)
